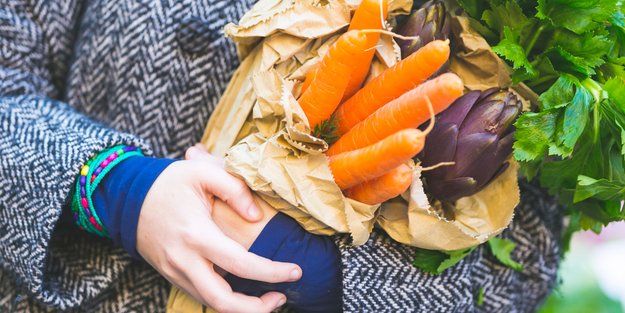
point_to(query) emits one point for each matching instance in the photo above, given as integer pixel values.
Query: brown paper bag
(259, 127)
(264, 136)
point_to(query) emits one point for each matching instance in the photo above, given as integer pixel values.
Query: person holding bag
(97, 99)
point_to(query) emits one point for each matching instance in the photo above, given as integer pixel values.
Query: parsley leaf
(436, 262)
(601, 189)
(576, 116)
(501, 249)
(590, 47)
(559, 94)
(511, 50)
(615, 88)
(567, 62)
(508, 15)
(534, 132)
(576, 15)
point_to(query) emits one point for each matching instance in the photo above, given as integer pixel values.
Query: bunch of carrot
(377, 123)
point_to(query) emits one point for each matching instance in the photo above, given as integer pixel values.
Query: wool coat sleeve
(43, 144)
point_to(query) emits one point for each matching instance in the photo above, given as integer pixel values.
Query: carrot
(408, 111)
(354, 167)
(392, 83)
(385, 187)
(327, 88)
(367, 16)
(310, 76)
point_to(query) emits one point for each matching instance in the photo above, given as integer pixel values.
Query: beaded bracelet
(85, 214)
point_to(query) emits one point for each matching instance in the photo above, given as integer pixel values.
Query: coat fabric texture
(77, 76)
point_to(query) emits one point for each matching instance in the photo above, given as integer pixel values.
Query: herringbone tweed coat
(78, 76)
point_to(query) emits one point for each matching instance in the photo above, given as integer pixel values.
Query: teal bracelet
(91, 174)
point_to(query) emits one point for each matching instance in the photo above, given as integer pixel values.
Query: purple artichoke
(429, 23)
(476, 132)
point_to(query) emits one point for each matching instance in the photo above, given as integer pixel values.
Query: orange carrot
(392, 83)
(407, 111)
(354, 167)
(310, 76)
(327, 89)
(367, 16)
(385, 187)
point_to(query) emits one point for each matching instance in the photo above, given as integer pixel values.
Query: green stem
(540, 81)
(534, 39)
(595, 118)
(599, 95)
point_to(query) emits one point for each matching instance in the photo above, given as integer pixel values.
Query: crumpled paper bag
(263, 134)
(477, 218)
(259, 127)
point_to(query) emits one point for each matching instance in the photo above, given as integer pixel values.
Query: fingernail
(295, 274)
(281, 302)
(253, 212)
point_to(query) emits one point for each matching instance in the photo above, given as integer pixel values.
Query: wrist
(91, 174)
(110, 192)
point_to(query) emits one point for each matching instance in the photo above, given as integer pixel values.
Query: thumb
(233, 191)
(216, 181)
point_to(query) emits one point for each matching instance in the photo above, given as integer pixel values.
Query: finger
(197, 152)
(231, 190)
(216, 292)
(179, 279)
(187, 286)
(233, 258)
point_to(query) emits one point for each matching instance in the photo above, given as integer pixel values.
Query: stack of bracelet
(91, 175)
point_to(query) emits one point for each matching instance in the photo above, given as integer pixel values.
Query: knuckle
(239, 267)
(239, 188)
(190, 236)
(238, 195)
(172, 261)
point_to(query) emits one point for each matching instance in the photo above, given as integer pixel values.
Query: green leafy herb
(601, 189)
(436, 262)
(501, 249)
(327, 130)
(534, 132)
(511, 49)
(578, 16)
(572, 53)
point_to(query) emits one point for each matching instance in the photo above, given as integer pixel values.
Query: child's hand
(178, 237)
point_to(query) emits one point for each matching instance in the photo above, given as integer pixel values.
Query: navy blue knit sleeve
(119, 197)
(320, 288)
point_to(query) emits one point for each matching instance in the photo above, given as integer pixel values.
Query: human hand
(178, 237)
